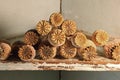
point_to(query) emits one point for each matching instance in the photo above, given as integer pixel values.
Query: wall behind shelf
(94, 14)
(17, 16)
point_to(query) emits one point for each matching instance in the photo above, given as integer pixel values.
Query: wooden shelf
(98, 64)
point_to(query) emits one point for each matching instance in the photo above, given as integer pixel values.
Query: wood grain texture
(98, 64)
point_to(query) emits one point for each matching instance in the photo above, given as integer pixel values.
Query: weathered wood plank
(98, 64)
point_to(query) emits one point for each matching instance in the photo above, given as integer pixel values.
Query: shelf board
(97, 64)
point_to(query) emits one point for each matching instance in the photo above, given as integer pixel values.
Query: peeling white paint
(59, 66)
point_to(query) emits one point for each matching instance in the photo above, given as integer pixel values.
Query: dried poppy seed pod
(15, 47)
(108, 49)
(87, 53)
(31, 37)
(100, 37)
(116, 53)
(56, 19)
(26, 53)
(47, 52)
(69, 27)
(56, 37)
(67, 50)
(111, 49)
(43, 27)
(78, 39)
(5, 50)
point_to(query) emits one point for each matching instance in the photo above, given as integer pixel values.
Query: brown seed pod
(69, 27)
(67, 50)
(56, 37)
(116, 53)
(47, 52)
(56, 19)
(31, 37)
(100, 37)
(43, 27)
(15, 47)
(87, 53)
(78, 39)
(5, 50)
(26, 53)
(110, 47)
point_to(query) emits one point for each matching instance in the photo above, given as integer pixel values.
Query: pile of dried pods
(61, 38)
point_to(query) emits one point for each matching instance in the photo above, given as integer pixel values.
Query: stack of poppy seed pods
(111, 47)
(61, 38)
(17, 50)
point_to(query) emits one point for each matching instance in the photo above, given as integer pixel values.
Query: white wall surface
(94, 14)
(17, 16)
